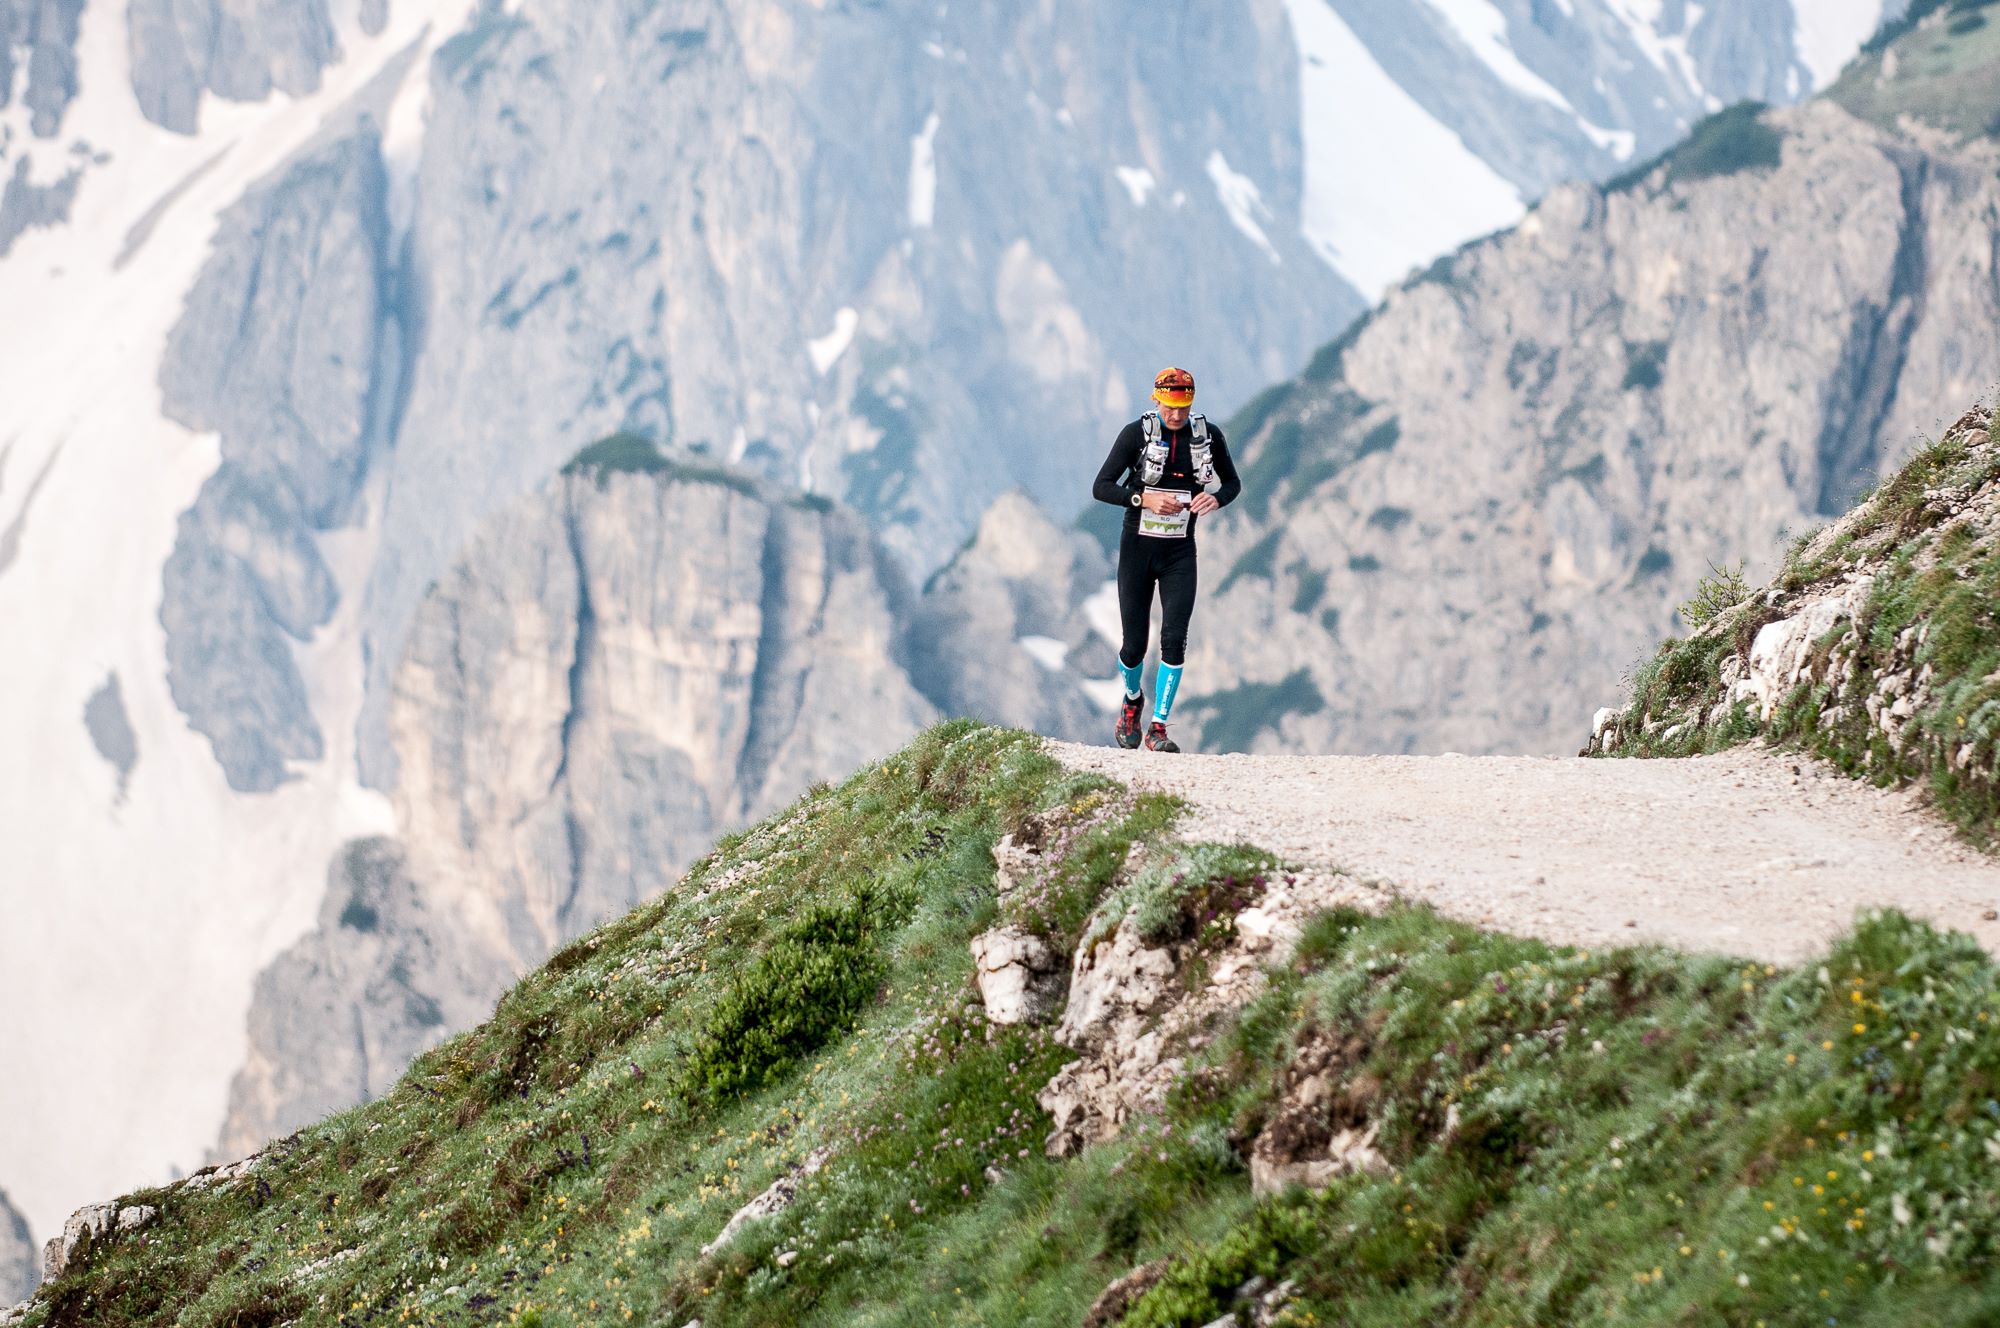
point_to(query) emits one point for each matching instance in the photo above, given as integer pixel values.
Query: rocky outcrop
(389, 972)
(1018, 975)
(1122, 1294)
(622, 668)
(91, 1223)
(278, 353)
(1470, 515)
(1321, 1127)
(1859, 647)
(20, 1269)
(42, 35)
(1134, 1015)
(1000, 633)
(243, 51)
(775, 1199)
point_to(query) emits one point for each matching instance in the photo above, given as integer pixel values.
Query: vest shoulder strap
(1149, 425)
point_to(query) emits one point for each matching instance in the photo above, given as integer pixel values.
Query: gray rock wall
(1473, 514)
(278, 352)
(239, 49)
(20, 1261)
(640, 216)
(387, 974)
(40, 34)
(1021, 576)
(620, 669)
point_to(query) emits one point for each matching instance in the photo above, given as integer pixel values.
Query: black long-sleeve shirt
(1118, 478)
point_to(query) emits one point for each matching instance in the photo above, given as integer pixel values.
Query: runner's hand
(1203, 502)
(1166, 504)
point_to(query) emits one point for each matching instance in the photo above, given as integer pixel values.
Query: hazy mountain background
(315, 655)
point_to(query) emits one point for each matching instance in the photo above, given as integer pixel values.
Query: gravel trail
(1746, 852)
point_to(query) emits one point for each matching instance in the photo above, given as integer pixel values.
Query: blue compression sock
(1131, 675)
(1165, 683)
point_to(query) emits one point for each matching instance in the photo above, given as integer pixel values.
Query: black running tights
(1144, 562)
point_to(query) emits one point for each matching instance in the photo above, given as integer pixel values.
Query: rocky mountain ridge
(448, 246)
(20, 1262)
(1874, 645)
(787, 1090)
(1722, 350)
(625, 665)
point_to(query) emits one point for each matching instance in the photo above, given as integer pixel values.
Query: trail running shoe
(1157, 739)
(1127, 734)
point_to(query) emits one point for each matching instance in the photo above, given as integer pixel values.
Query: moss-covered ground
(1574, 1138)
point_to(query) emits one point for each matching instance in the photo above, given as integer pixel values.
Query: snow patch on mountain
(1427, 191)
(1831, 31)
(1045, 651)
(1667, 50)
(827, 350)
(1483, 28)
(923, 175)
(1242, 200)
(1138, 182)
(191, 887)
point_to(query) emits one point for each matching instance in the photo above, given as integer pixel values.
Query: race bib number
(1164, 527)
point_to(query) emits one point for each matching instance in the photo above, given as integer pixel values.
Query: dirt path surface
(1745, 852)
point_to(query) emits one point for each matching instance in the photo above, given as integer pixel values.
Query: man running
(1165, 470)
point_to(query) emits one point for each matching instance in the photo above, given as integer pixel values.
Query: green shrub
(1731, 140)
(1721, 589)
(808, 987)
(1191, 894)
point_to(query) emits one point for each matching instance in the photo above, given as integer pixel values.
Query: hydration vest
(1153, 457)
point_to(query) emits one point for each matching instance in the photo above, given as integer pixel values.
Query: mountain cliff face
(20, 1266)
(309, 293)
(1726, 347)
(1002, 632)
(1875, 646)
(621, 667)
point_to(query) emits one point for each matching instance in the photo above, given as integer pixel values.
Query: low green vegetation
(1928, 628)
(1565, 1136)
(1609, 1138)
(1734, 139)
(634, 454)
(1722, 588)
(1939, 64)
(1259, 560)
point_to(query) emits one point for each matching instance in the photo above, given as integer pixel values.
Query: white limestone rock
(1019, 976)
(775, 1199)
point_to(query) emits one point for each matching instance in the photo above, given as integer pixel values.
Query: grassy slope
(1641, 1137)
(1946, 70)
(1931, 537)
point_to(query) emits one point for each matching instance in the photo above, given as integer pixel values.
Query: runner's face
(1175, 417)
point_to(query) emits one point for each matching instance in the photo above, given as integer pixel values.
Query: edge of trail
(1747, 852)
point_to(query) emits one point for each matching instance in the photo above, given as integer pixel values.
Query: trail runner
(1167, 469)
